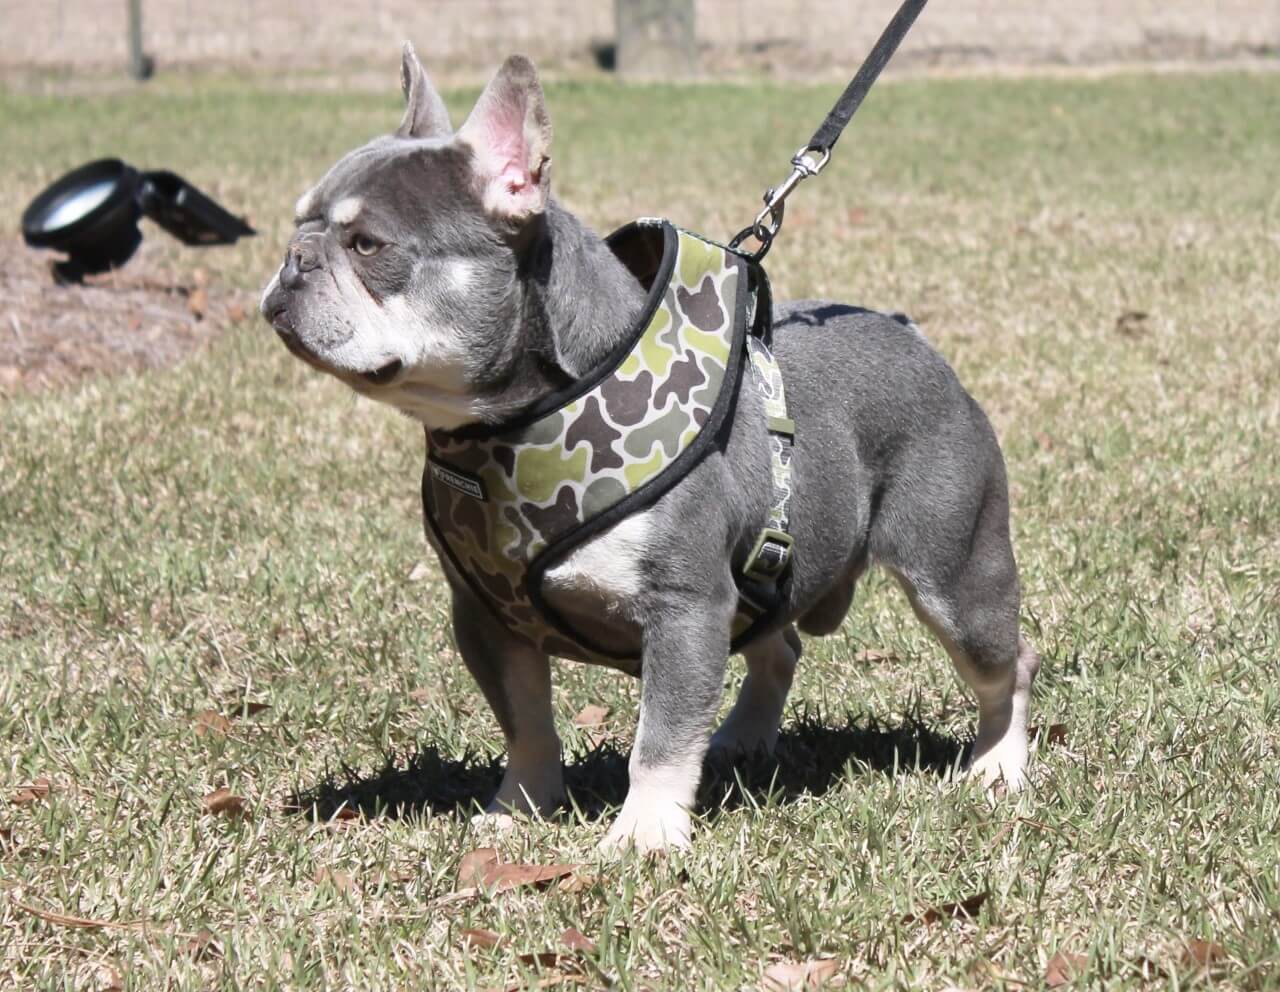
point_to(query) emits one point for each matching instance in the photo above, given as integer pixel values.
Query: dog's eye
(362, 244)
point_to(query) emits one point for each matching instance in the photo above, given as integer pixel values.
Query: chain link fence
(787, 36)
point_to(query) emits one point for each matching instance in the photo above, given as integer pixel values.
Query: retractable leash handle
(813, 157)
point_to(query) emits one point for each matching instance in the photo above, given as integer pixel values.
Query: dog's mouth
(384, 375)
(291, 341)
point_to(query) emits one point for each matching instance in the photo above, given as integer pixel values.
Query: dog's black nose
(291, 273)
(300, 259)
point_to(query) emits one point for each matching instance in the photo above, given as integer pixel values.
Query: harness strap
(770, 558)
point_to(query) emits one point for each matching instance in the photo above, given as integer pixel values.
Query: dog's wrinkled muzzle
(302, 256)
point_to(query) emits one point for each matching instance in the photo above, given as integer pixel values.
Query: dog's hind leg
(516, 681)
(959, 573)
(999, 671)
(753, 722)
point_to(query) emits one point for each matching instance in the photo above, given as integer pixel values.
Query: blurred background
(791, 38)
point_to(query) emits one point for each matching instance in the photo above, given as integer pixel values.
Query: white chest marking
(609, 563)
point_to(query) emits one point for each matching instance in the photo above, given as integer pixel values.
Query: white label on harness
(466, 484)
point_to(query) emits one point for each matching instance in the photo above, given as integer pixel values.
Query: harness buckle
(769, 558)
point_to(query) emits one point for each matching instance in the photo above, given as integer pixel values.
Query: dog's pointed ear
(425, 115)
(509, 133)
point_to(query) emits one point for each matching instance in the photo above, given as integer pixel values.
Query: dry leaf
(6, 835)
(482, 869)
(1203, 953)
(220, 802)
(198, 302)
(874, 655)
(211, 724)
(346, 813)
(200, 276)
(795, 976)
(30, 792)
(235, 313)
(204, 946)
(421, 694)
(478, 937)
(502, 877)
(472, 867)
(964, 909)
(1063, 968)
(591, 715)
(419, 572)
(576, 940)
(1054, 734)
(340, 880)
(1132, 323)
(577, 882)
(549, 959)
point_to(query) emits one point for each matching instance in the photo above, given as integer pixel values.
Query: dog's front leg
(686, 647)
(516, 681)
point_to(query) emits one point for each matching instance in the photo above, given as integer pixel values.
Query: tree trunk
(656, 38)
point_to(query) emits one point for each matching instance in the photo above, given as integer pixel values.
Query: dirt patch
(148, 315)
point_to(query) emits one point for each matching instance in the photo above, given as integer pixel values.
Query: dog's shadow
(811, 758)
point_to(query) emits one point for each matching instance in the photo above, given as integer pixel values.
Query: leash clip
(807, 161)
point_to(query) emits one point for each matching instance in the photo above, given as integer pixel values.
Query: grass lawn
(1101, 262)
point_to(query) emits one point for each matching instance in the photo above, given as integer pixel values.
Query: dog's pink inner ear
(510, 134)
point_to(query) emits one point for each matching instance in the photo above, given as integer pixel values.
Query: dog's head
(401, 278)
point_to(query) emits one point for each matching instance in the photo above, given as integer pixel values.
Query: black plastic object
(186, 213)
(92, 215)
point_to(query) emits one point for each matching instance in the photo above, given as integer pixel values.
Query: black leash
(811, 159)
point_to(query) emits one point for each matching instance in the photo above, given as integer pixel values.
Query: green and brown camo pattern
(769, 378)
(547, 478)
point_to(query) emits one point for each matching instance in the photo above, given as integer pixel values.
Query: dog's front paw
(536, 792)
(1003, 768)
(493, 822)
(649, 826)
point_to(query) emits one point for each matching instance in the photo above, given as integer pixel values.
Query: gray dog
(432, 270)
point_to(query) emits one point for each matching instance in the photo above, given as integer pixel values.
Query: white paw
(658, 826)
(493, 821)
(1002, 768)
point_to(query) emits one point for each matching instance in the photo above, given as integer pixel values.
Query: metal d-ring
(769, 221)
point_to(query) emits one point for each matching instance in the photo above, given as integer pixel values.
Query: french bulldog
(433, 270)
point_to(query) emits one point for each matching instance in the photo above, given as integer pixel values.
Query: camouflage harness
(506, 503)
